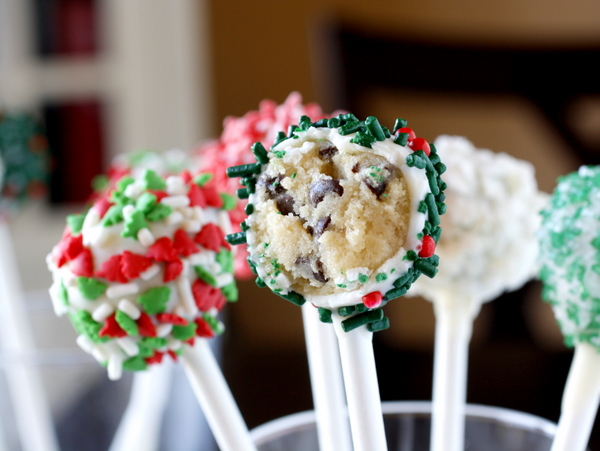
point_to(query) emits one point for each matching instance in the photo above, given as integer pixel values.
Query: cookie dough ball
(570, 255)
(342, 212)
(144, 271)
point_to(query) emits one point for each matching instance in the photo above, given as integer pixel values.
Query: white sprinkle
(85, 343)
(115, 367)
(173, 344)
(102, 312)
(162, 330)
(225, 222)
(99, 236)
(91, 219)
(133, 190)
(179, 310)
(176, 186)
(173, 218)
(204, 258)
(128, 211)
(123, 289)
(128, 346)
(128, 307)
(145, 237)
(191, 226)
(99, 354)
(224, 279)
(150, 272)
(175, 201)
(197, 213)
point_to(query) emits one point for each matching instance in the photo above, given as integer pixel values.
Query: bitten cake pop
(345, 216)
(488, 247)
(142, 275)
(570, 272)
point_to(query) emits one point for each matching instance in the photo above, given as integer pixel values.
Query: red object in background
(75, 135)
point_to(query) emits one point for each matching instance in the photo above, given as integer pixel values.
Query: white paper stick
(215, 398)
(454, 322)
(327, 382)
(580, 400)
(140, 426)
(362, 387)
(29, 402)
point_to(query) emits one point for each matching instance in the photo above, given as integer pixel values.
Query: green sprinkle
(260, 282)
(342, 285)
(346, 310)
(123, 183)
(160, 211)
(374, 127)
(229, 201)
(153, 180)
(203, 179)
(363, 278)
(113, 216)
(249, 209)
(278, 139)
(134, 224)
(293, 175)
(395, 293)
(205, 275)
(432, 210)
(243, 193)
(362, 319)
(244, 170)
(279, 153)
(230, 291)
(411, 256)
(146, 202)
(426, 267)
(91, 289)
(135, 363)
(400, 123)
(363, 139)
(350, 127)
(293, 297)
(100, 183)
(84, 324)
(63, 294)
(184, 333)
(380, 277)
(377, 326)
(236, 238)
(401, 139)
(334, 122)
(127, 323)
(225, 259)
(260, 153)
(325, 315)
(155, 300)
(75, 223)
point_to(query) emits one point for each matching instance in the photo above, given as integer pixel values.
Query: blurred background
(518, 76)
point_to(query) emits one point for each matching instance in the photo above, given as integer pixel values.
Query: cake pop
(344, 214)
(142, 275)
(493, 216)
(569, 256)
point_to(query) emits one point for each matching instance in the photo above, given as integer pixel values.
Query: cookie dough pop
(493, 216)
(23, 151)
(570, 259)
(344, 214)
(142, 276)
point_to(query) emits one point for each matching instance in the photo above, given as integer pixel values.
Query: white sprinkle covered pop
(144, 270)
(489, 244)
(343, 214)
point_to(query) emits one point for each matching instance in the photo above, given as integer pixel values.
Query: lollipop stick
(32, 412)
(580, 400)
(362, 388)
(452, 336)
(327, 383)
(215, 398)
(140, 426)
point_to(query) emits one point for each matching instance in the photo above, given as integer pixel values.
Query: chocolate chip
(319, 275)
(327, 150)
(285, 204)
(319, 190)
(321, 225)
(306, 268)
(272, 185)
(377, 179)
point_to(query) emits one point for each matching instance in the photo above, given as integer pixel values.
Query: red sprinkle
(83, 264)
(156, 358)
(172, 318)
(420, 144)
(68, 248)
(373, 299)
(186, 176)
(111, 328)
(111, 270)
(101, 206)
(183, 244)
(212, 197)
(172, 270)
(190, 341)
(162, 250)
(207, 296)
(203, 329)
(132, 265)
(172, 354)
(427, 247)
(411, 134)
(145, 325)
(159, 194)
(197, 198)
(210, 237)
